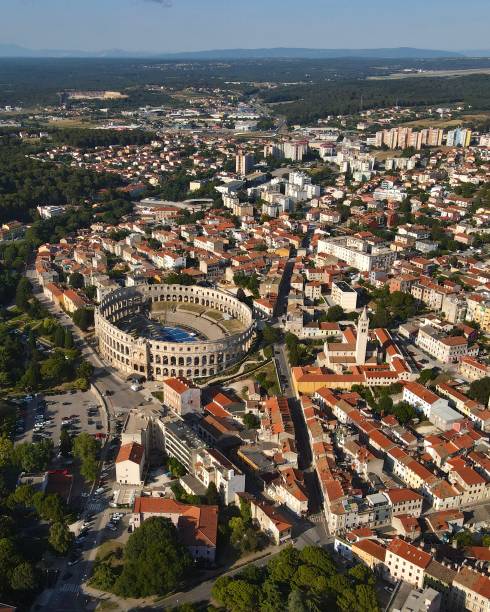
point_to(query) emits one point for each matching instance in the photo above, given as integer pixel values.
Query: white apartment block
(344, 296)
(358, 254)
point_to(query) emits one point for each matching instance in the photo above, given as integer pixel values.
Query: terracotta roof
(179, 385)
(371, 547)
(473, 581)
(130, 452)
(398, 496)
(198, 525)
(410, 553)
(422, 392)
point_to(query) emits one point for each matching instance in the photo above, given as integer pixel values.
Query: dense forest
(26, 183)
(29, 82)
(87, 138)
(306, 103)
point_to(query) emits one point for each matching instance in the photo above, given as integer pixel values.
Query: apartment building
(244, 162)
(344, 295)
(422, 398)
(471, 590)
(212, 466)
(479, 309)
(406, 562)
(358, 254)
(182, 443)
(197, 525)
(444, 348)
(472, 369)
(181, 396)
(404, 501)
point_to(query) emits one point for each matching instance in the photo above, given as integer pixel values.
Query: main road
(118, 397)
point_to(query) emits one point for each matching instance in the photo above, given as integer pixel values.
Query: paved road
(119, 398)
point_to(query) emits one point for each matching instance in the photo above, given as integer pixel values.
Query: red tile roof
(130, 452)
(410, 553)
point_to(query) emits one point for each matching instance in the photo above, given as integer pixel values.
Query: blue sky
(188, 25)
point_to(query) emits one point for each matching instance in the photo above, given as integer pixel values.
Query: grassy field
(446, 123)
(429, 73)
(192, 308)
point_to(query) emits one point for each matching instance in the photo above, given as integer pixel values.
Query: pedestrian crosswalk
(95, 506)
(68, 587)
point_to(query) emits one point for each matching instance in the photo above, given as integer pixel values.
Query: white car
(99, 490)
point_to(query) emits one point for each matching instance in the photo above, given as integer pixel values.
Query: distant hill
(8, 50)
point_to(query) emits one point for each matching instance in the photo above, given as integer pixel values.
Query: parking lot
(45, 416)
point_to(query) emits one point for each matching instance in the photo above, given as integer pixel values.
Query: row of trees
(298, 581)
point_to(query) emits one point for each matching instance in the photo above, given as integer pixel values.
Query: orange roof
(179, 385)
(410, 553)
(371, 547)
(198, 525)
(130, 452)
(398, 496)
(422, 392)
(474, 581)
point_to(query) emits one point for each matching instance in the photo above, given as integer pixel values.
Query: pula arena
(160, 359)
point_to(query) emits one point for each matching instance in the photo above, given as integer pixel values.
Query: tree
(236, 595)
(318, 558)
(212, 496)
(104, 577)
(76, 280)
(283, 567)
(271, 597)
(85, 448)
(68, 339)
(23, 293)
(480, 390)
(296, 601)
(177, 469)
(59, 337)
(155, 561)
(271, 334)
(9, 559)
(335, 313)
(23, 577)
(361, 573)
(60, 537)
(385, 404)
(251, 421)
(31, 379)
(6, 449)
(83, 318)
(426, 375)
(66, 442)
(85, 370)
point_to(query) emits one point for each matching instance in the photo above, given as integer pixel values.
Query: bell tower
(362, 337)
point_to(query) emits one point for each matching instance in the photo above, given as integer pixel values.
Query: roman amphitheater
(172, 330)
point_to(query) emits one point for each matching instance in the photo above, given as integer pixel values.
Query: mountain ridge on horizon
(18, 51)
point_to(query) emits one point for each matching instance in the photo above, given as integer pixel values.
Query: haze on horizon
(193, 25)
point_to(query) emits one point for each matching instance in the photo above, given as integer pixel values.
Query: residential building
(181, 396)
(197, 525)
(130, 462)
